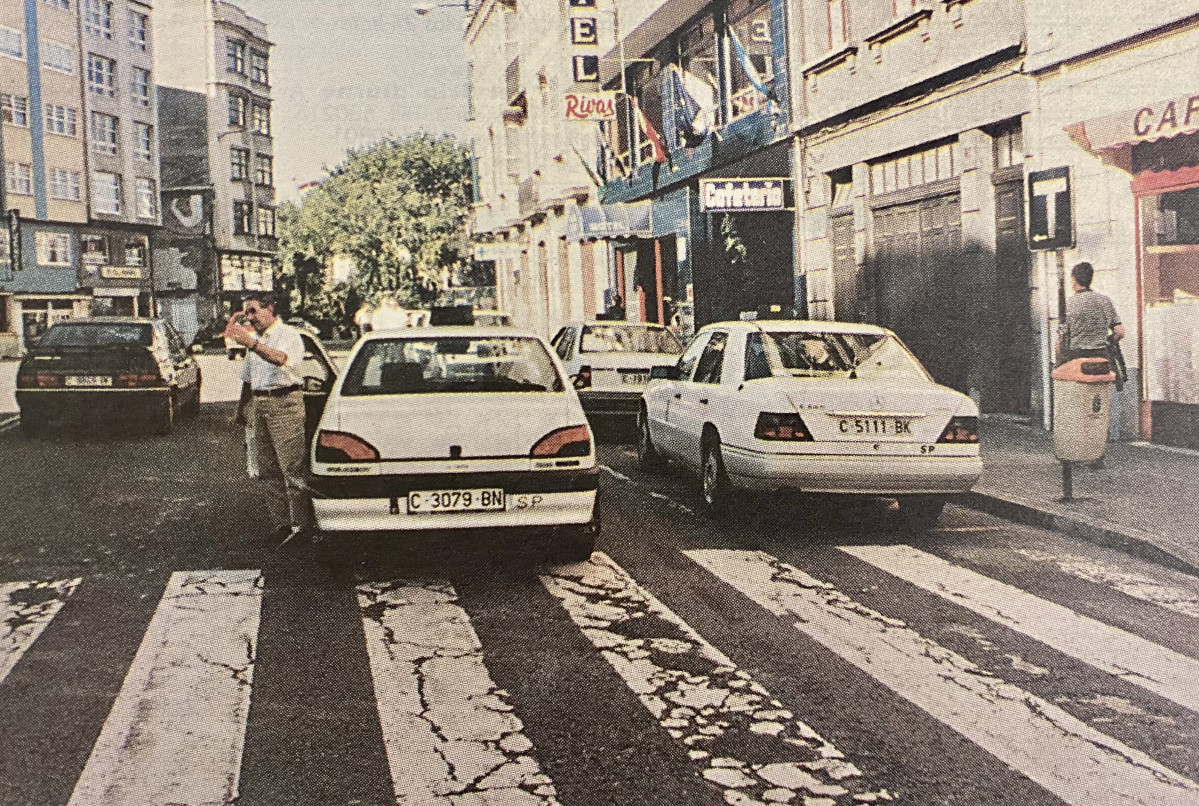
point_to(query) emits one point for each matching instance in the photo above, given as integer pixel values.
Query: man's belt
(279, 391)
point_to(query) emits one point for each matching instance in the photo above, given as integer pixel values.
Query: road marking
(1064, 755)
(176, 731)
(1139, 586)
(715, 710)
(451, 736)
(25, 610)
(9, 422)
(1110, 649)
(650, 491)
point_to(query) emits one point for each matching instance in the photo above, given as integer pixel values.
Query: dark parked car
(108, 369)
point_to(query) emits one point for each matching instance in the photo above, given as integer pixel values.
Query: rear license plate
(876, 426)
(634, 378)
(430, 502)
(88, 380)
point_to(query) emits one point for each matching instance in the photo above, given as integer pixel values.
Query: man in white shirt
(270, 379)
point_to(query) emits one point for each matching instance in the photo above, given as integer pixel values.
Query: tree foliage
(397, 209)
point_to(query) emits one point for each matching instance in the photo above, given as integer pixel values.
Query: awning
(1153, 121)
(610, 221)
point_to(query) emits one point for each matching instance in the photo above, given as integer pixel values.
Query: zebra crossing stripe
(1110, 649)
(715, 710)
(25, 610)
(450, 734)
(176, 731)
(1036, 738)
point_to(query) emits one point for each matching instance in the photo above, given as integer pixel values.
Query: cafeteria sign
(748, 195)
(591, 106)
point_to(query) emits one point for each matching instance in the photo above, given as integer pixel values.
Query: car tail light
(960, 431)
(132, 380)
(333, 447)
(583, 379)
(26, 380)
(49, 380)
(782, 427)
(574, 440)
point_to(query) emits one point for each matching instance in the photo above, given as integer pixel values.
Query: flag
(595, 180)
(601, 152)
(750, 71)
(650, 133)
(691, 120)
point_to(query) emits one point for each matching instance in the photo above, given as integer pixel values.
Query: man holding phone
(271, 382)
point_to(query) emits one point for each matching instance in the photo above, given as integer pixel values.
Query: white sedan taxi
(817, 407)
(609, 362)
(455, 428)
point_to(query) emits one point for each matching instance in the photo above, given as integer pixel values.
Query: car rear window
(97, 334)
(805, 354)
(435, 365)
(629, 339)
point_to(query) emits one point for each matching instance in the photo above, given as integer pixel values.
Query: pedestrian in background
(616, 309)
(1090, 318)
(362, 319)
(272, 399)
(389, 315)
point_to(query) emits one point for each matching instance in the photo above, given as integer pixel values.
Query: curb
(1126, 539)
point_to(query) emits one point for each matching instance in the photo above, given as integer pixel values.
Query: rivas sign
(591, 106)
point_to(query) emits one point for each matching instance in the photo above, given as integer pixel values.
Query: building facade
(80, 161)
(219, 237)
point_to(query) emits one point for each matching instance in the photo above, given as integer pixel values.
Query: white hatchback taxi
(455, 428)
(609, 362)
(819, 407)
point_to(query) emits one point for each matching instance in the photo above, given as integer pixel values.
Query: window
(135, 253)
(711, 363)
(931, 164)
(241, 218)
(841, 182)
(93, 250)
(107, 193)
(64, 185)
(147, 198)
(697, 50)
(235, 51)
(12, 43)
(143, 141)
(97, 18)
(53, 249)
(239, 163)
(266, 222)
(902, 8)
(259, 72)
(139, 30)
(139, 87)
(262, 119)
(105, 133)
(838, 25)
(237, 110)
(101, 75)
(264, 173)
(20, 178)
(58, 57)
(15, 109)
(65, 5)
(62, 120)
(1009, 146)
(749, 24)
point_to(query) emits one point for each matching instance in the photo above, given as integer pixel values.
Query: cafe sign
(120, 272)
(744, 195)
(1151, 121)
(591, 106)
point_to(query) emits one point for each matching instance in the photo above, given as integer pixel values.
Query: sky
(345, 74)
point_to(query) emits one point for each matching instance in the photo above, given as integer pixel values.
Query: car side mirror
(664, 373)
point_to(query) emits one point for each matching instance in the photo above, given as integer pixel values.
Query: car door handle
(703, 400)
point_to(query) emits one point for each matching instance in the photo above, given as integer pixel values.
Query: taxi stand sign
(745, 195)
(1050, 210)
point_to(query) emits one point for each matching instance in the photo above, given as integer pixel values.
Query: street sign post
(14, 239)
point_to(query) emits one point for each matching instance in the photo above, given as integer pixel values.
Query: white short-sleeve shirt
(262, 374)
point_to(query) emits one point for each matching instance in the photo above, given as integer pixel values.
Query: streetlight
(424, 7)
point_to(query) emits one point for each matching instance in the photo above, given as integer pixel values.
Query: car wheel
(193, 405)
(648, 457)
(921, 512)
(574, 544)
(714, 481)
(164, 418)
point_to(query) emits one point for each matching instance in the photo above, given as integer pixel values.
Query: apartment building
(72, 71)
(219, 237)
(532, 166)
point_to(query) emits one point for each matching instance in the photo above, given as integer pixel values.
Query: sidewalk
(1145, 501)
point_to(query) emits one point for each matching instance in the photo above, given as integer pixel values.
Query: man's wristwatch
(254, 346)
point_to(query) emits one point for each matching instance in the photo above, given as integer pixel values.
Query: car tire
(716, 490)
(164, 418)
(921, 512)
(574, 544)
(648, 458)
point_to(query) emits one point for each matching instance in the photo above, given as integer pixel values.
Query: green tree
(397, 209)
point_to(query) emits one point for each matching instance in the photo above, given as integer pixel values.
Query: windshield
(451, 364)
(629, 339)
(808, 354)
(96, 334)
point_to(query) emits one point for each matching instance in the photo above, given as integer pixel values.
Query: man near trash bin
(270, 380)
(1089, 317)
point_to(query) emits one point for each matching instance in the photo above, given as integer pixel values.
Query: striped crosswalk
(452, 735)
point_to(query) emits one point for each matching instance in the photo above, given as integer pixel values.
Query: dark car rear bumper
(91, 404)
(610, 402)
